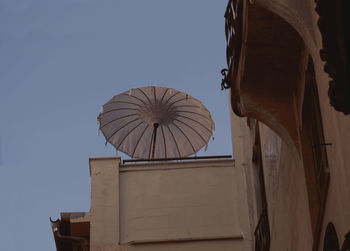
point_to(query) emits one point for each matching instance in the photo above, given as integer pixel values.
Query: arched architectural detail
(258, 111)
(333, 47)
(330, 242)
(269, 81)
(302, 23)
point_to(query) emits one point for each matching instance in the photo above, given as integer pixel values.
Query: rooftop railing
(179, 159)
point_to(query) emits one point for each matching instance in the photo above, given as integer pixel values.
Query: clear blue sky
(60, 61)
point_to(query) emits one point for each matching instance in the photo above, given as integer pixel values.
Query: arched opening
(330, 242)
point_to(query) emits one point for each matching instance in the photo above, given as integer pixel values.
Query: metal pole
(155, 127)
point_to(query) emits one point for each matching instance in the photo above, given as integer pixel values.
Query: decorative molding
(331, 242)
(233, 32)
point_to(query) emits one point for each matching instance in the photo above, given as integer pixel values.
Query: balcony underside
(269, 80)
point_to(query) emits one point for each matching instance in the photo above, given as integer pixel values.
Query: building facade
(171, 205)
(289, 91)
(287, 189)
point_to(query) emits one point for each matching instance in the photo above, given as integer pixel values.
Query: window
(262, 231)
(330, 239)
(314, 154)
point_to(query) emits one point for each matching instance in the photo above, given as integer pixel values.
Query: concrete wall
(104, 211)
(195, 205)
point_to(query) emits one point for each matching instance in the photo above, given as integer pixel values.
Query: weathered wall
(104, 211)
(185, 202)
(197, 205)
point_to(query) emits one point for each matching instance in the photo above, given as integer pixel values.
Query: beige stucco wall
(288, 210)
(337, 132)
(104, 211)
(335, 124)
(285, 185)
(285, 179)
(194, 205)
(284, 173)
(287, 195)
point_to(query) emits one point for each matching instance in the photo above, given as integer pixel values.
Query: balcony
(233, 31)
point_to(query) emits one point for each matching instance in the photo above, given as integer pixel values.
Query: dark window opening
(330, 242)
(262, 231)
(314, 154)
